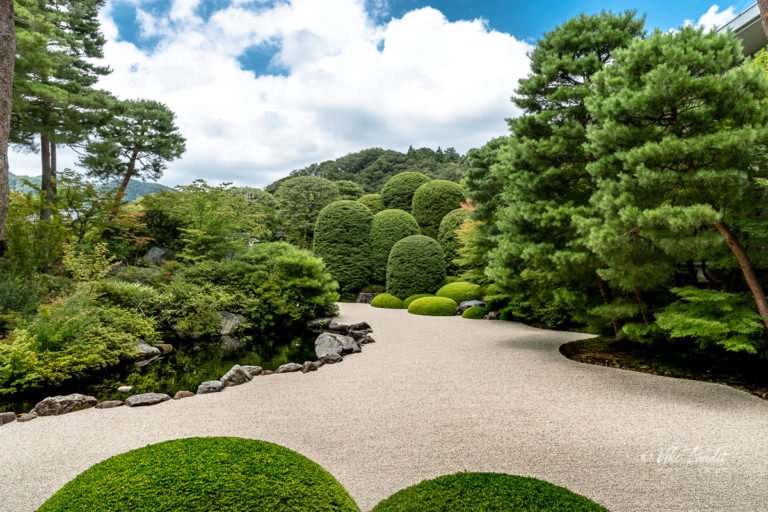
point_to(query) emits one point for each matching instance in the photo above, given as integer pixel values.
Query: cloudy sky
(262, 87)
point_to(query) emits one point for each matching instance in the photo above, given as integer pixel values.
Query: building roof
(747, 27)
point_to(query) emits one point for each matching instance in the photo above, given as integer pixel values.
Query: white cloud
(714, 17)
(350, 83)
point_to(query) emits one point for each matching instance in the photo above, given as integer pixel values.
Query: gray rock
(332, 343)
(147, 351)
(289, 367)
(231, 344)
(155, 255)
(309, 366)
(27, 416)
(110, 404)
(320, 324)
(145, 362)
(358, 335)
(338, 328)
(362, 326)
(210, 386)
(182, 394)
(125, 389)
(55, 405)
(493, 315)
(145, 399)
(349, 345)
(267, 372)
(253, 371)
(230, 323)
(7, 417)
(365, 298)
(468, 304)
(235, 376)
(331, 358)
(367, 339)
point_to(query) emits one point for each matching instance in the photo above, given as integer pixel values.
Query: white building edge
(748, 27)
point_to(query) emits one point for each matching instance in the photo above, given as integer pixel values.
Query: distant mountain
(135, 190)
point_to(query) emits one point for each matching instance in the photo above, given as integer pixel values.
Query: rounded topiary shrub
(489, 492)
(447, 236)
(416, 264)
(434, 200)
(203, 474)
(475, 313)
(433, 306)
(387, 301)
(461, 291)
(407, 302)
(350, 190)
(389, 227)
(374, 202)
(342, 240)
(398, 191)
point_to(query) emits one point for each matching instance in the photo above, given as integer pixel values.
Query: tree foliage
(398, 191)
(389, 227)
(301, 200)
(416, 265)
(449, 239)
(350, 190)
(434, 200)
(373, 202)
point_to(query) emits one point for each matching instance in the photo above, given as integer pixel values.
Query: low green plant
(407, 302)
(203, 475)
(433, 306)
(474, 313)
(385, 300)
(461, 291)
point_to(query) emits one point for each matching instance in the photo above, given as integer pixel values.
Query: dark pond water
(183, 369)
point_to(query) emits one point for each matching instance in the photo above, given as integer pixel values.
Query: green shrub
(488, 492)
(301, 199)
(416, 265)
(203, 475)
(373, 202)
(385, 300)
(461, 291)
(475, 313)
(128, 295)
(448, 238)
(397, 193)
(433, 306)
(451, 279)
(374, 288)
(349, 190)
(389, 227)
(434, 200)
(342, 240)
(407, 302)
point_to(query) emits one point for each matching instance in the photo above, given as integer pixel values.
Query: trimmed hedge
(433, 306)
(407, 302)
(398, 191)
(475, 313)
(374, 202)
(387, 301)
(447, 236)
(342, 239)
(434, 200)
(203, 475)
(389, 227)
(416, 265)
(489, 492)
(461, 291)
(350, 190)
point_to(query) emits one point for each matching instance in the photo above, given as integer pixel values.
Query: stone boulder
(230, 323)
(339, 328)
(331, 358)
(7, 417)
(310, 366)
(468, 304)
(110, 404)
(362, 326)
(56, 405)
(332, 343)
(183, 394)
(145, 399)
(365, 298)
(165, 348)
(235, 376)
(253, 371)
(155, 255)
(230, 344)
(27, 416)
(210, 386)
(366, 339)
(320, 324)
(289, 367)
(125, 389)
(147, 351)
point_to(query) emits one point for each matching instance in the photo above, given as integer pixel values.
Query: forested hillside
(135, 190)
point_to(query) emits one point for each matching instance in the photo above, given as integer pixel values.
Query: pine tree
(7, 56)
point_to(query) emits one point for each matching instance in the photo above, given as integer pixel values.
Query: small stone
(469, 304)
(145, 399)
(289, 367)
(165, 348)
(109, 404)
(125, 389)
(267, 372)
(365, 298)
(230, 323)
(147, 351)
(155, 255)
(7, 417)
(55, 405)
(361, 326)
(253, 371)
(309, 366)
(27, 416)
(358, 335)
(182, 394)
(332, 358)
(320, 324)
(367, 339)
(211, 386)
(236, 376)
(493, 315)
(338, 328)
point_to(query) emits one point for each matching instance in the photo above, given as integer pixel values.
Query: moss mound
(434, 200)
(398, 191)
(373, 202)
(385, 300)
(407, 302)
(461, 291)
(488, 492)
(388, 228)
(416, 265)
(474, 313)
(433, 306)
(447, 236)
(203, 474)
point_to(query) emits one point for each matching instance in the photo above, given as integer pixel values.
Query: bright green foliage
(350, 190)
(433, 306)
(397, 193)
(203, 475)
(448, 237)
(389, 227)
(461, 291)
(373, 202)
(489, 492)
(416, 265)
(33, 244)
(540, 257)
(407, 302)
(474, 313)
(385, 300)
(301, 200)
(92, 266)
(433, 201)
(342, 240)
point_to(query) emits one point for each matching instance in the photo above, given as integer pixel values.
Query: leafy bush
(407, 302)
(461, 291)
(34, 245)
(397, 193)
(373, 202)
(350, 190)
(342, 239)
(215, 473)
(475, 313)
(301, 200)
(416, 265)
(434, 200)
(135, 296)
(448, 237)
(488, 492)
(389, 227)
(433, 306)
(387, 301)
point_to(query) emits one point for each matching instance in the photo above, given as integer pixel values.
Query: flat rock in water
(289, 367)
(56, 405)
(7, 417)
(210, 386)
(235, 376)
(110, 404)
(145, 399)
(27, 416)
(182, 394)
(253, 371)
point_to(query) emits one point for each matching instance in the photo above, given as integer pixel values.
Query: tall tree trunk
(7, 60)
(45, 183)
(54, 190)
(605, 293)
(747, 269)
(763, 5)
(120, 193)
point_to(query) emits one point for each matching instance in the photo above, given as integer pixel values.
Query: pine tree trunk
(747, 269)
(45, 183)
(120, 194)
(763, 5)
(7, 60)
